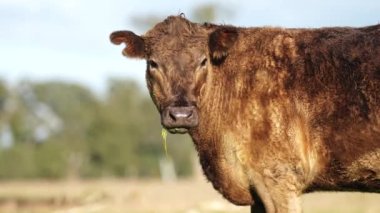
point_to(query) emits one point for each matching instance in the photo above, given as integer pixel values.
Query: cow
(273, 112)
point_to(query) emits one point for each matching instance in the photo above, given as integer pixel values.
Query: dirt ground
(187, 196)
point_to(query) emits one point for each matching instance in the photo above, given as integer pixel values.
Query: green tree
(120, 130)
(78, 108)
(119, 135)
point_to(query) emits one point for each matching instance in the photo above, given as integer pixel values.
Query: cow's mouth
(179, 119)
(179, 130)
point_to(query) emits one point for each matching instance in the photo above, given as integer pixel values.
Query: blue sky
(68, 39)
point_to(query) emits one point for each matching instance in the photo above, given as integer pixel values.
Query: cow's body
(294, 111)
(287, 111)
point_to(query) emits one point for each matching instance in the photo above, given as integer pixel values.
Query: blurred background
(78, 131)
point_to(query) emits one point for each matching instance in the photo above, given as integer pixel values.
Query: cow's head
(180, 55)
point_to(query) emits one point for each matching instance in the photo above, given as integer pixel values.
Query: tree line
(60, 130)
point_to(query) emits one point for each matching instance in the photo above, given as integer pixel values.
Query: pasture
(145, 196)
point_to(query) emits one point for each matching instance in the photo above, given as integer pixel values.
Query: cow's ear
(220, 41)
(135, 47)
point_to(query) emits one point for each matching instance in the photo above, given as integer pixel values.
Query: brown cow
(273, 112)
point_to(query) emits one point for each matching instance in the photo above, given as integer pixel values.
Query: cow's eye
(152, 64)
(204, 62)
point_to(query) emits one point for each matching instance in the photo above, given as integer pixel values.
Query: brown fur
(281, 111)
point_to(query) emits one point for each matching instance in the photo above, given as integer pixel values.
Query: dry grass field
(187, 196)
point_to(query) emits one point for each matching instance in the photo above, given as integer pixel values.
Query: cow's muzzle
(179, 119)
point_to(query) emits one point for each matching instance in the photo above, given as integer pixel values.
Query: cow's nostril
(172, 116)
(190, 113)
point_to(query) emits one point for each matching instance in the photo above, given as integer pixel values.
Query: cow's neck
(222, 134)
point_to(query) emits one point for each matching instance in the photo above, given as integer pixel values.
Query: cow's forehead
(178, 42)
(178, 58)
(176, 34)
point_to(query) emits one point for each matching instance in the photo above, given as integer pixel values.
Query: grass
(164, 135)
(184, 196)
